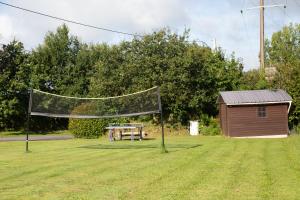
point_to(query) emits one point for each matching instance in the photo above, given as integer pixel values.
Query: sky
(208, 20)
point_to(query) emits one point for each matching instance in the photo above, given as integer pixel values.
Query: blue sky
(207, 20)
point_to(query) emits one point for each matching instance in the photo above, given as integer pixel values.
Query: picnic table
(125, 129)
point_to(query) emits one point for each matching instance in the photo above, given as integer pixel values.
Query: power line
(80, 23)
(70, 21)
(244, 19)
(286, 15)
(284, 12)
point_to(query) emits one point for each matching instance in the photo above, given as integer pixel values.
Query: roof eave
(257, 103)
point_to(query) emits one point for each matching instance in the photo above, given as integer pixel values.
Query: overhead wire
(70, 21)
(284, 18)
(283, 10)
(244, 19)
(82, 24)
(271, 19)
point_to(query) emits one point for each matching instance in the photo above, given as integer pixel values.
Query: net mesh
(51, 105)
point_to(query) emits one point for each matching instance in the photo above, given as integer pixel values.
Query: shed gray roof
(255, 97)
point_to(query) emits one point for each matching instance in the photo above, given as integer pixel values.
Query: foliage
(61, 64)
(14, 82)
(296, 129)
(209, 126)
(87, 128)
(283, 53)
(91, 128)
(253, 80)
(190, 75)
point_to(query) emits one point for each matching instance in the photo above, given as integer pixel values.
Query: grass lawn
(195, 168)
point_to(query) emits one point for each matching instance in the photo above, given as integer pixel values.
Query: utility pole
(215, 47)
(262, 7)
(262, 37)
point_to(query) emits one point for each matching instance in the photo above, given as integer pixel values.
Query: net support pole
(28, 119)
(161, 122)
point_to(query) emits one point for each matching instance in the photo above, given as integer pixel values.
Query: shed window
(261, 111)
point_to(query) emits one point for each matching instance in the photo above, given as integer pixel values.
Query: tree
(283, 52)
(253, 80)
(190, 75)
(61, 64)
(14, 83)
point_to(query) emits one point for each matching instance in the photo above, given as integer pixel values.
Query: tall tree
(61, 64)
(190, 75)
(253, 80)
(14, 83)
(283, 53)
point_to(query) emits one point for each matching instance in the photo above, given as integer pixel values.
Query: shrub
(205, 120)
(209, 126)
(87, 128)
(296, 129)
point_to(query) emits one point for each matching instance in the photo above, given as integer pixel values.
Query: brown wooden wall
(223, 118)
(244, 121)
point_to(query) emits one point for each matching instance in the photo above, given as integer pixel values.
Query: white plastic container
(194, 127)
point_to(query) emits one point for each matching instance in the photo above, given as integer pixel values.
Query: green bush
(209, 126)
(296, 129)
(87, 128)
(205, 120)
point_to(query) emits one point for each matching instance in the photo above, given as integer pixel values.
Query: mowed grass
(195, 168)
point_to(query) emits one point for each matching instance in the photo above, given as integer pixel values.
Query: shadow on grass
(135, 139)
(30, 133)
(116, 145)
(20, 133)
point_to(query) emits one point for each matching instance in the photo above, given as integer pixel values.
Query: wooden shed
(259, 113)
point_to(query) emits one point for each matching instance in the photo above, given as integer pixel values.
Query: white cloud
(133, 16)
(206, 19)
(6, 29)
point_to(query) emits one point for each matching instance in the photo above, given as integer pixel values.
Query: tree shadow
(116, 145)
(135, 139)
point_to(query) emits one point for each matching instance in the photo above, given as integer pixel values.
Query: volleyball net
(53, 105)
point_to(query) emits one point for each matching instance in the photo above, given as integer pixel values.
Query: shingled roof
(254, 97)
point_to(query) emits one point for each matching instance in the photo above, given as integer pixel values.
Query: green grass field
(195, 168)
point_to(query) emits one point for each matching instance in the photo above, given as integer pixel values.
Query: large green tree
(190, 75)
(283, 53)
(253, 80)
(14, 82)
(61, 64)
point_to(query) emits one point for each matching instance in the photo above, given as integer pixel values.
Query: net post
(163, 147)
(28, 119)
